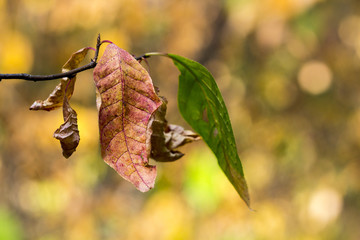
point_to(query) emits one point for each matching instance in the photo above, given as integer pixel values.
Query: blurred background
(288, 71)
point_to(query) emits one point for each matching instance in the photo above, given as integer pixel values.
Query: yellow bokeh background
(289, 74)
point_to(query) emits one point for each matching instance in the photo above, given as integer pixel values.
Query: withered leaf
(68, 132)
(176, 136)
(128, 100)
(55, 98)
(165, 138)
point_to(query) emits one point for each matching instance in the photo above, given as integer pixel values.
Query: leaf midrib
(122, 122)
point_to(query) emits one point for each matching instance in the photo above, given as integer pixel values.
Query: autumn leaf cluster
(132, 122)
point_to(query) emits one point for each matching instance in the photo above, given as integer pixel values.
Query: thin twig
(98, 44)
(69, 74)
(140, 58)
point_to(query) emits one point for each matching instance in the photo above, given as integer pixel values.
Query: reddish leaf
(166, 137)
(128, 100)
(55, 98)
(68, 133)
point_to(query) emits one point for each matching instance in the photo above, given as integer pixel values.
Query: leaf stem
(69, 74)
(146, 55)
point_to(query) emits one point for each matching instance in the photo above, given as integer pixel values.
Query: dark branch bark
(69, 74)
(36, 78)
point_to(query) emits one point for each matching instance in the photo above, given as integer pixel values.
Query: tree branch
(36, 78)
(69, 74)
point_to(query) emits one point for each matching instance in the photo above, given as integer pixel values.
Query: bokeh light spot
(315, 77)
(325, 205)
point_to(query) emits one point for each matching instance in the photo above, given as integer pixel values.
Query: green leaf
(202, 106)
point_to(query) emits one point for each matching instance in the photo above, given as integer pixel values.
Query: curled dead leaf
(53, 101)
(166, 138)
(176, 136)
(68, 132)
(55, 98)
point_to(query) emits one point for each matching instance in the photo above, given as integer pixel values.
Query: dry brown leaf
(68, 132)
(176, 136)
(166, 138)
(55, 98)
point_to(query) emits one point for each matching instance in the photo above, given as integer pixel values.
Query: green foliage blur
(288, 71)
